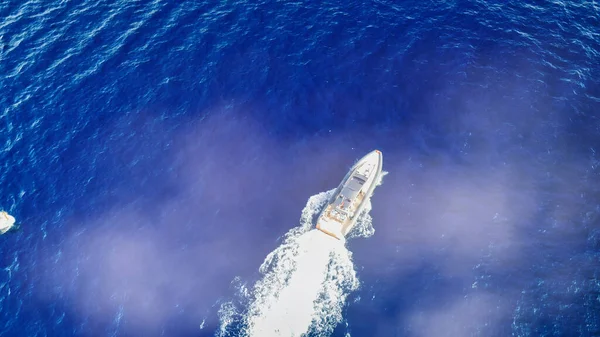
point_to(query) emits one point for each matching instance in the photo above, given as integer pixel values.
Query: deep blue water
(154, 151)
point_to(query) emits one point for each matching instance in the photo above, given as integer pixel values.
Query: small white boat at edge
(351, 196)
(7, 221)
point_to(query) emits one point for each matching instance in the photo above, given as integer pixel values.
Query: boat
(7, 221)
(349, 199)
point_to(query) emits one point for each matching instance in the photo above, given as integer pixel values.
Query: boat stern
(330, 227)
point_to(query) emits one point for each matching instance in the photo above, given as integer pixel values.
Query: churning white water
(305, 282)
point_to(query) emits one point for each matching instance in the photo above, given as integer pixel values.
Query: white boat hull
(7, 221)
(345, 206)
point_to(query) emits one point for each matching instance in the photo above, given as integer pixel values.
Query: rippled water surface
(156, 151)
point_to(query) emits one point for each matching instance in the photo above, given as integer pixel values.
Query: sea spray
(305, 282)
(277, 269)
(285, 298)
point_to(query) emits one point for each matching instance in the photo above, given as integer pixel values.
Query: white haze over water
(305, 282)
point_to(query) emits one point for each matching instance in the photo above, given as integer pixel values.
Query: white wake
(305, 282)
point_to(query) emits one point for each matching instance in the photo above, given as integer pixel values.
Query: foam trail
(285, 302)
(305, 284)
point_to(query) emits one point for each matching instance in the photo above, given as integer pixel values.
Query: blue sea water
(154, 151)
